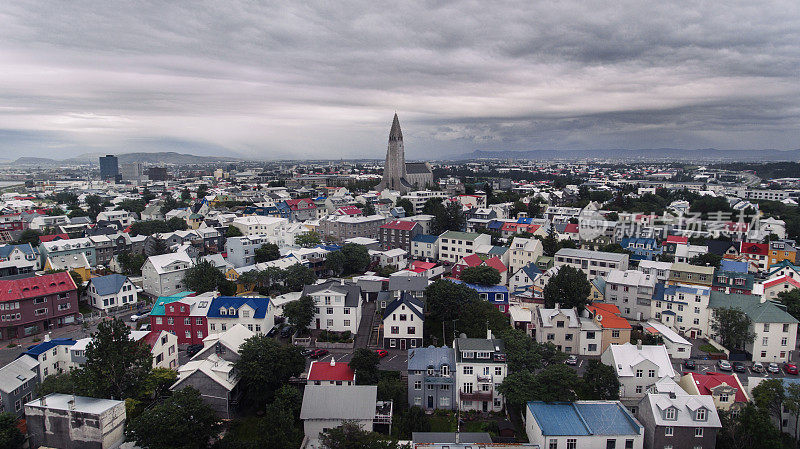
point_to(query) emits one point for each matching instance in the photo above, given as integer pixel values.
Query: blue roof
(494, 225)
(658, 293)
(583, 418)
(330, 247)
(532, 270)
(5, 250)
(733, 266)
(108, 285)
(419, 359)
(525, 220)
(259, 305)
(425, 238)
(36, 350)
(648, 242)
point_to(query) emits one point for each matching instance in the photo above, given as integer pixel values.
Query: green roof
(460, 235)
(158, 306)
(757, 311)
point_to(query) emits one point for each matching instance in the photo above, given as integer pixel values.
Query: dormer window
(445, 370)
(700, 414)
(670, 414)
(223, 311)
(231, 311)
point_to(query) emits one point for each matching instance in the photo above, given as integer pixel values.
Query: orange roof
(608, 316)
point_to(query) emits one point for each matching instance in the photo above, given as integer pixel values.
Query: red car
(790, 368)
(317, 353)
(381, 352)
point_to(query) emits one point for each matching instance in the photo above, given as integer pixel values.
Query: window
(329, 323)
(467, 387)
(395, 329)
(639, 373)
(784, 341)
(498, 370)
(187, 321)
(698, 432)
(418, 385)
(723, 398)
(670, 414)
(572, 443)
(329, 311)
(628, 444)
(651, 373)
(411, 330)
(346, 323)
(170, 321)
(468, 370)
(786, 328)
(668, 431)
(611, 444)
(553, 444)
(700, 415)
(590, 335)
(551, 337)
(188, 334)
(559, 324)
(638, 389)
(614, 334)
(766, 327)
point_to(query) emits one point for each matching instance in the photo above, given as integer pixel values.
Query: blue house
(580, 424)
(642, 248)
(256, 314)
(52, 354)
(495, 294)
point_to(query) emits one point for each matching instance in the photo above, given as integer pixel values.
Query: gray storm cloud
(322, 79)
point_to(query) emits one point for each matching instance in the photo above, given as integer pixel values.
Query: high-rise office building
(109, 167)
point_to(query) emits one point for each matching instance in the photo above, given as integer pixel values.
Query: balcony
(475, 395)
(439, 380)
(484, 378)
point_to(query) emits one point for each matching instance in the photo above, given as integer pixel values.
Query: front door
(692, 334)
(402, 343)
(485, 406)
(430, 401)
(317, 323)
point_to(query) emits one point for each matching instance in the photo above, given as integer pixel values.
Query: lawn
(709, 348)
(443, 423)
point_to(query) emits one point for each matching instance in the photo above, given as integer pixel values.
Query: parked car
(790, 368)
(273, 331)
(689, 364)
(571, 360)
(317, 353)
(381, 353)
(144, 327)
(739, 367)
(287, 331)
(773, 368)
(307, 352)
(191, 350)
(136, 317)
(757, 367)
(724, 365)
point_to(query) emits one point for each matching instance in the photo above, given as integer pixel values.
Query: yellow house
(73, 262)
(780, 251)
(233, 276)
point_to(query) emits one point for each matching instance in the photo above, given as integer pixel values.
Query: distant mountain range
(709, 154)
(148, 158)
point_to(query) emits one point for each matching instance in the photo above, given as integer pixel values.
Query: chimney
(43, 401)
(558, 306)
(71, 404)
(639, 344)
(341, 281)
(488, 334)
(47, 336)
(333, 362)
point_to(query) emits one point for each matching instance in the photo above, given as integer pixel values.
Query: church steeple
(395, 133)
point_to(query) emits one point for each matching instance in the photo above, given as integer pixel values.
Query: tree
(158, 247)
(203, 277)
(95, 205)
(130, 263)
(367, 208)
(64, 383)
(706, 259)
(769, 396)
(149, 227)
(351, 436)
(116, 365)
(406, 205)
(550, 243)
(29, 236)
(265, 365)
(412, 420)
(297, 276)
(732, 326)
(356, 258)
(308, 240)
(169, 204)
(791, 403)
(177, 224)
(600, 381)
(448, 218)
(554, 383)
(233, 231)
(569, 287)
(365, 363)
(300, 313)
(335, 262)
(481, 275)
(136, 206)
(474, 316)
(183, 421)
(444, 299)
(186, 195)
(754, 429)
(791, 300)
(267, 253)
(10, 436)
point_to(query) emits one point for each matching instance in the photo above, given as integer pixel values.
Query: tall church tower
(394, 171)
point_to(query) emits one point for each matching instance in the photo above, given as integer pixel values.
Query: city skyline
(290, 81)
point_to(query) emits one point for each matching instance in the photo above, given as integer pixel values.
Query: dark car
(307, 352)
(191, 350)
(689, 364)
(273, 331)
(287, 331)
(317, 353)
(739, 367)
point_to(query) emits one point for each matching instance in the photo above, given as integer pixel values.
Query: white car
(135, 317)
(773, 368)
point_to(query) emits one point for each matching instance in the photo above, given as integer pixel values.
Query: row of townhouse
(593, 263)
(342, 227)
(193, 318)
(19, 259)
(36, 304)
(588, 334)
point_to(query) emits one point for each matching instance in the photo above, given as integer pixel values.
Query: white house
(396, 257)
(582, 425)
(524, 252)
(454, 245)
(480, 368)
(163, 275)
(257, 224)
(638, 368)
(593, 263)
(329, 406)
(124, 217)
(337, 306)
(677, 346)
(402, 322)
(112, 291)
(631, 291)
(256, 314)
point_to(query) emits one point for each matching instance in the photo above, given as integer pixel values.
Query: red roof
(330, 371)
(402, 225)
(151, 338)
(47, 284)
(705, 382)
(349, 210)
(781, 280)
(51, 237)
(608, 315)
(496, 263)
(473, 260)
(571, 228)
(677, 239)
(419, 266)
(300, 204)
(760, 249)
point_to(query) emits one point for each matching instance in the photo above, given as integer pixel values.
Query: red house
(37, 304)
(182, 316)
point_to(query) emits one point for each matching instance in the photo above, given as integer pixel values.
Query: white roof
(232, 338)
(686, 406)
(547, 316)
(216, 368)
(259, 220)
(630, 277)
(654, 264)
(626, 356)
(667, 333)
(161, 261)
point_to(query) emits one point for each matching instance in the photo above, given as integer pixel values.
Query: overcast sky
(323, 78)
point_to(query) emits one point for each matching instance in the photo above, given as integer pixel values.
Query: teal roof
(460, 235)
(757, 311)
(158, 307)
